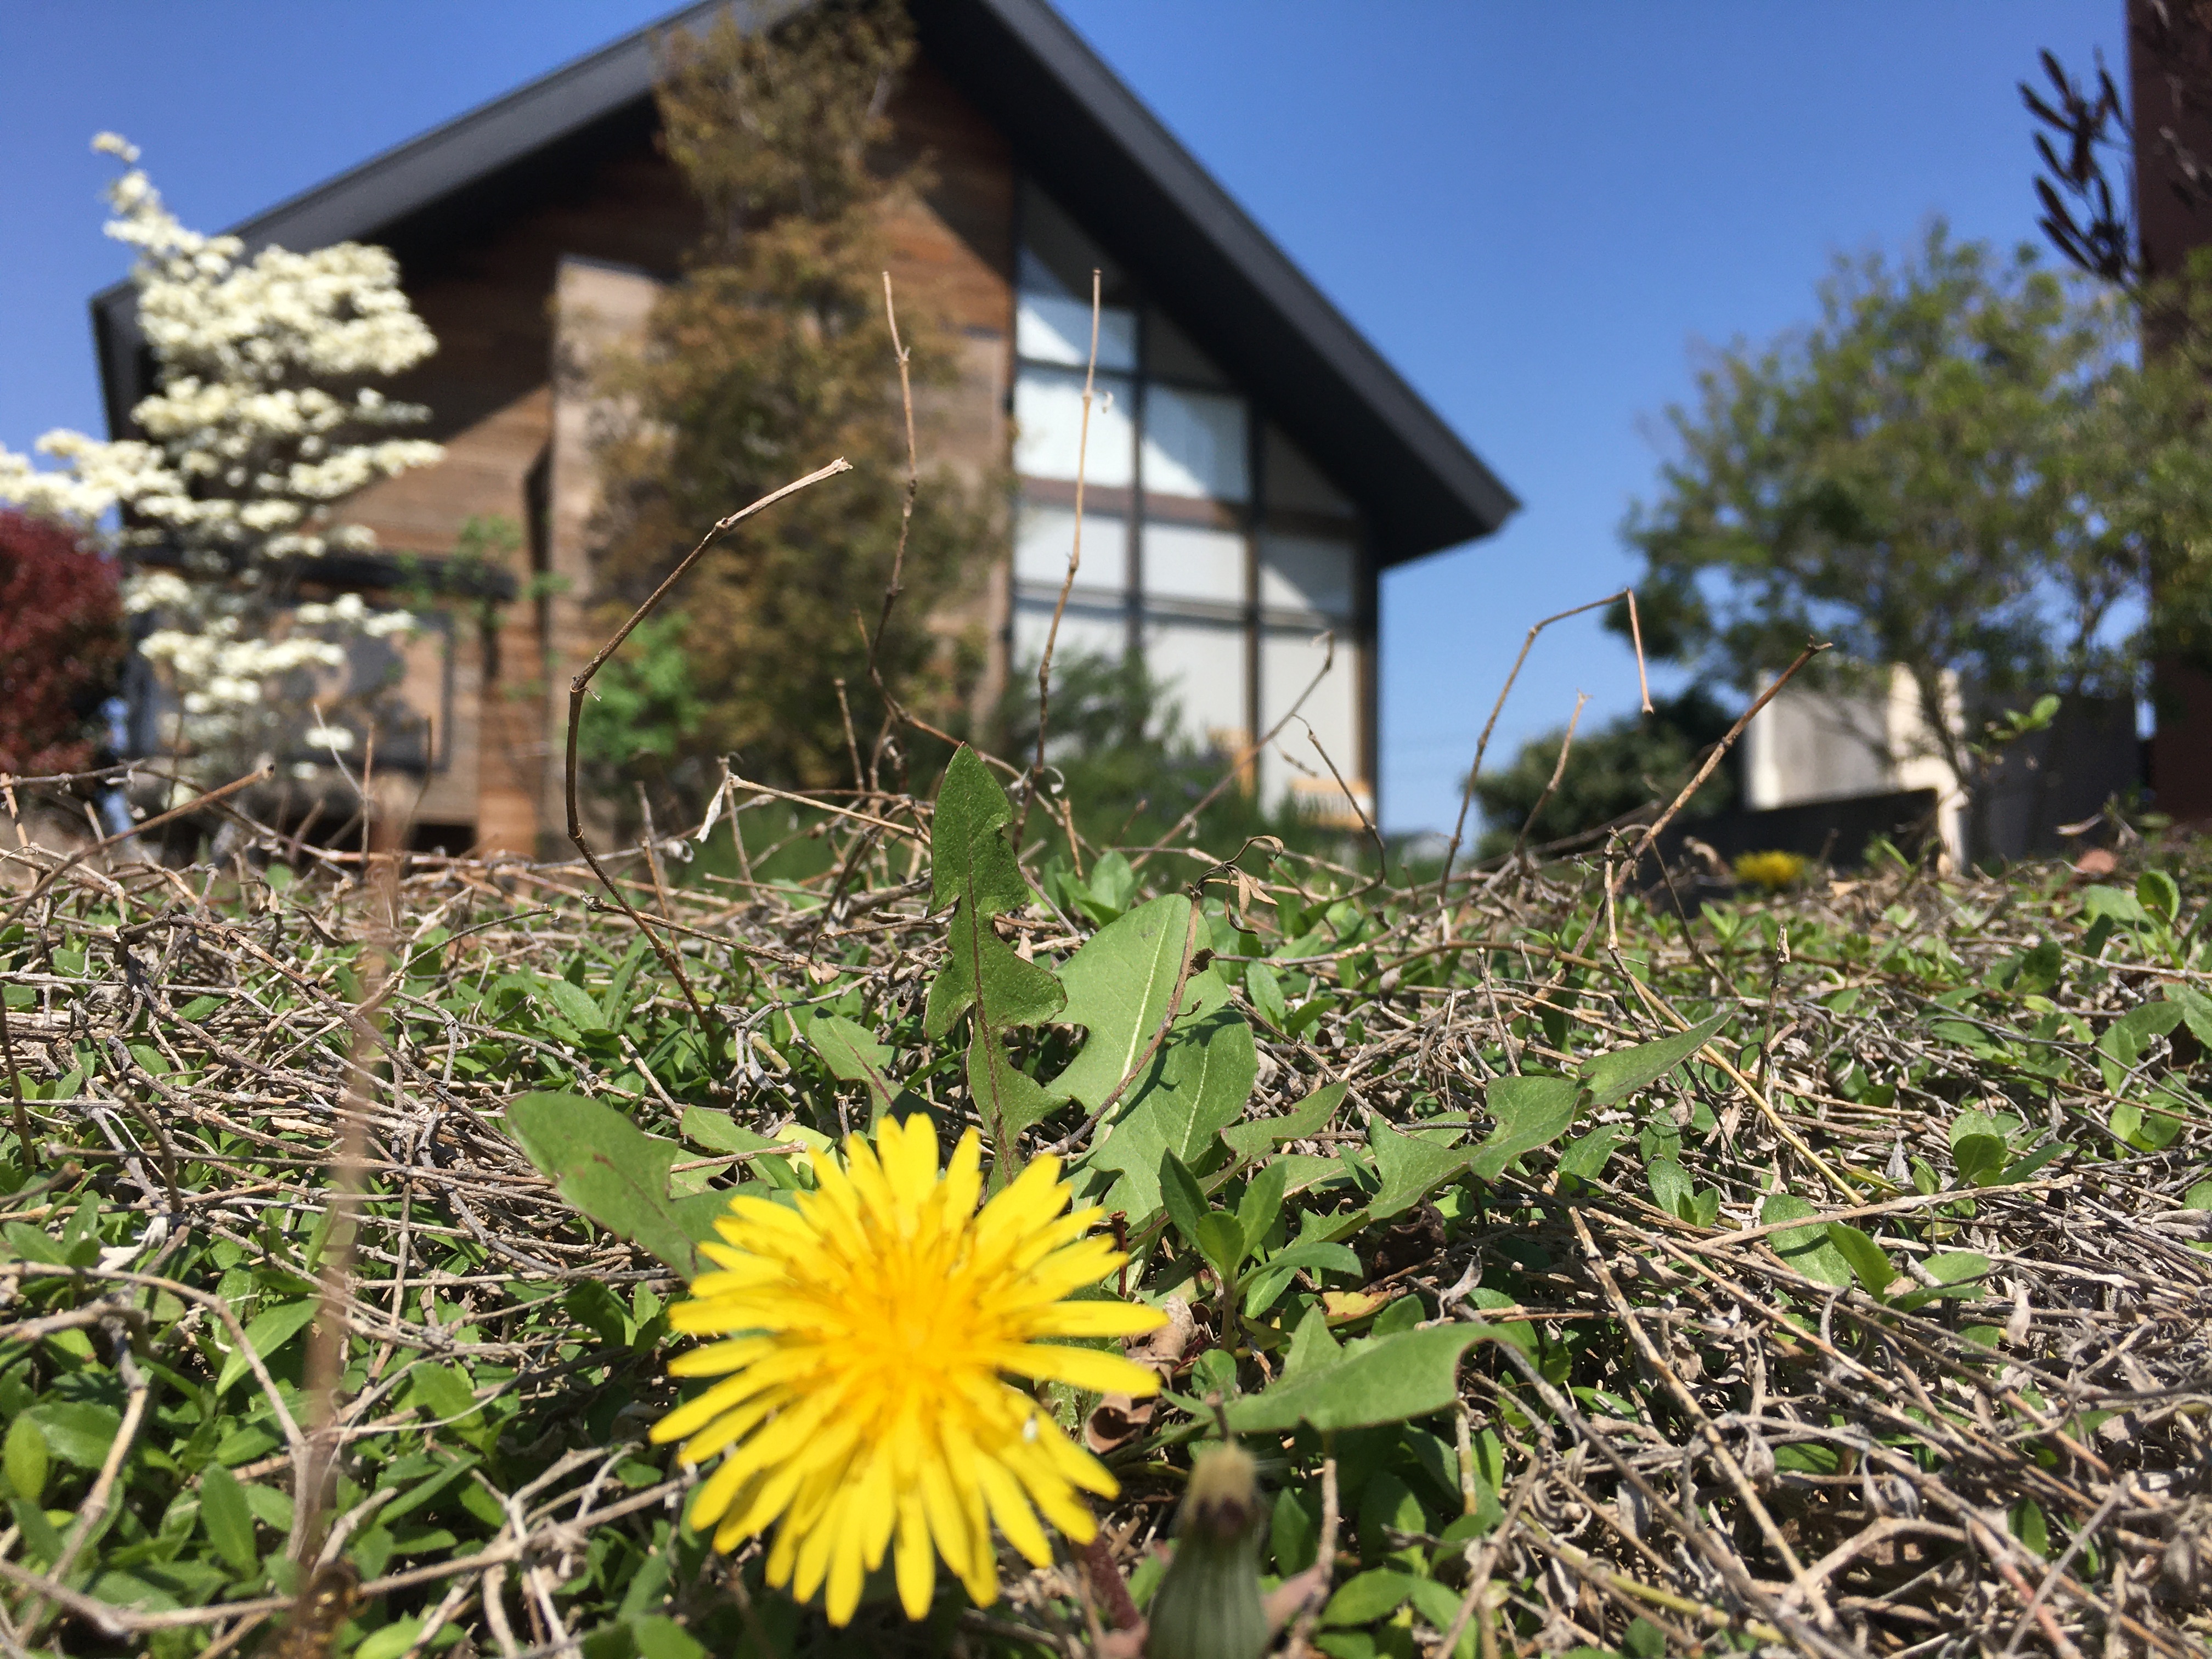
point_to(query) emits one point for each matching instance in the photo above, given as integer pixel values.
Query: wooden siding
(519, 297)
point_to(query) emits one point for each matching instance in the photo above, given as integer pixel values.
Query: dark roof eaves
(1252, 251)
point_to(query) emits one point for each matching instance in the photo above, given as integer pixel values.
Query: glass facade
(1210, 542)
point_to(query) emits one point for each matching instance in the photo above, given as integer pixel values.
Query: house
(1255, 468)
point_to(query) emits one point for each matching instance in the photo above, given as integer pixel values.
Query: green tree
(1621, 766)
(771, 356)
(1957, 470)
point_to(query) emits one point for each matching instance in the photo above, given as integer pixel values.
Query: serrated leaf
(226, 1519)
(1531, 1112)
(1614, 1076)
(1806, 1250)
(1119, 986)
(1008, 1099)
(1196, 1085)
(982, 972)
(615, 1173)
(970, 856)
(1308, 1118)
(1390, 1380)
(1412, 1166)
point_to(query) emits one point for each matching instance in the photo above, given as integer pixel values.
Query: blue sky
(1539, 213)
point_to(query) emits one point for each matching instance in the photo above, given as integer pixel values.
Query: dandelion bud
(1208, 1603)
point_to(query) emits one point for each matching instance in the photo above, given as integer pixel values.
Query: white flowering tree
(264, 421)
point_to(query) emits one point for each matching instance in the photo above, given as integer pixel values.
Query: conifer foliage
(771, 356)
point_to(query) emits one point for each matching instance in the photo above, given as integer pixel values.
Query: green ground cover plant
(1822, 1272)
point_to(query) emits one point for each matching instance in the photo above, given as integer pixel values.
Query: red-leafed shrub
(60, 637)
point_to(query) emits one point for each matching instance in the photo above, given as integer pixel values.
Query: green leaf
(1265, 988)
(226, 1519)
(25, 1460)
(852, 1056)
(1585, 1160)
(575, 1005)
(2114, 903)
(982, 972)
(1196, 1085)
(1119, 986)
(1263, 1202)
(1670, 1187)
(1979, 1159)
(1956, 1266)
(2126, 1038)
(718, 1131)
(1180, 1197)
(1221, 1242)
(970, 856)
(1373, 1594)
(1531, 1112)
(1412, 1166)
(2156, 892)
(2197, 1009)
(268, 1330)
(1317, 1254)
(1867, 1261)
(77, 1431)
(1807, 1250)
(614, 1172)
(1309, 1117)
(1614, 1076)
(1112, 884)
(390, 1641)
(1007, 1098)
(1411, 1374)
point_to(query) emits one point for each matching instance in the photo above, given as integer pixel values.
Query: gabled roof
(1084, 137)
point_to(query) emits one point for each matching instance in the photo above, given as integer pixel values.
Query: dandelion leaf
(1619, 1074)
(1531, 1112)
(1119, 986)
(608, 1168)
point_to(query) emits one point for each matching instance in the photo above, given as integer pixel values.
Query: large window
(1210, 542)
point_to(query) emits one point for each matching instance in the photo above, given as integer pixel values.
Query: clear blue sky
(1537, 212)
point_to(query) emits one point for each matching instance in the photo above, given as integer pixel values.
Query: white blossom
(259, 431)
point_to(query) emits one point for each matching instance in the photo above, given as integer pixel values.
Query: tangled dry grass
(320, 1361)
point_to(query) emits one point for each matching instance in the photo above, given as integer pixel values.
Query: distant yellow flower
(868, 1335)
(1772, 870)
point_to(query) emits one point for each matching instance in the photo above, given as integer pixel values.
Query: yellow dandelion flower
(866, 1337)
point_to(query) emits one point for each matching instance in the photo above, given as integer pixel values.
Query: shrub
(61, 640)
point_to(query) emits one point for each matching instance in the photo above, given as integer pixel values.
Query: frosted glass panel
(1288, 662)
(1086, 630)
(1184, 562)
(1044, 535)
(1049, 425)
(1200, 668)
(1194, 444)
(1307, 573)
(1052, 330)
